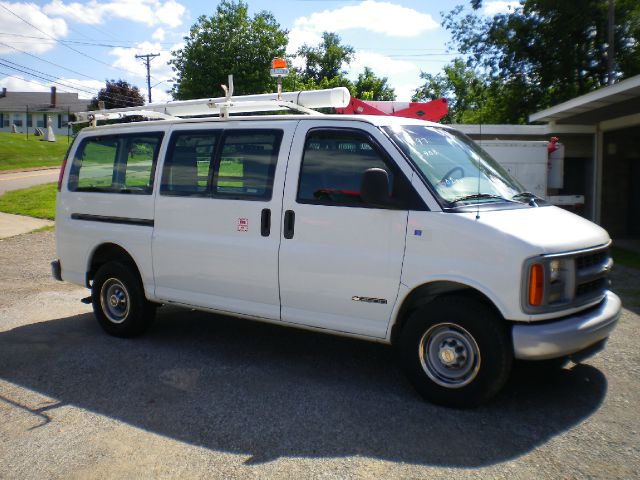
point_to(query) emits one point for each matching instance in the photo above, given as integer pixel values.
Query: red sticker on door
(243, 224)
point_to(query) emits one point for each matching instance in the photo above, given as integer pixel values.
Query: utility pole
(146, 58)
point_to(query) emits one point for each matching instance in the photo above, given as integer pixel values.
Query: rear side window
(247, 164)
(187, 167)
(234, 164)
(116, 164)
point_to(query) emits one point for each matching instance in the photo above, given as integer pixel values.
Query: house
(613, 171)
(30, 110)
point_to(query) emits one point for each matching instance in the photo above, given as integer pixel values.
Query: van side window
(247, 164)
(116, 164)
(187, 165)
(333, 164)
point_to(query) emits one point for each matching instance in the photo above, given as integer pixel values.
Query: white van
(387, 229)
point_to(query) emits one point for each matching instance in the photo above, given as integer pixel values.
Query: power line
(62, 43)
(40, 76)
(80, 42)
(127, 44)
(56, 65)
(68, 85)
(46, 61)
(24, 79)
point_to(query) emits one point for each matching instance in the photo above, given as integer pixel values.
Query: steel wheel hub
(449, 355)
(114, 299)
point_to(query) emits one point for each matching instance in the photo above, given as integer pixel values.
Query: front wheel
(456, 351)
(118, 301)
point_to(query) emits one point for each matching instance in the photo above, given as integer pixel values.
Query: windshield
(459, 171)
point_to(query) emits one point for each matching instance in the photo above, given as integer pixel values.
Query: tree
(325, 60)
(324, 68)
(229, 42)
(117, 94)
(370, 87)
(472, 97)
(545, 52)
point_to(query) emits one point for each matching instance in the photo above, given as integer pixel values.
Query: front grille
(590, 259)
(592, 275)
(594, 286)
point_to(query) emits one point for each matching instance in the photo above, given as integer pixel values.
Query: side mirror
(374, 188)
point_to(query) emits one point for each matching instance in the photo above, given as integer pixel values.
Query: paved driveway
(204, 396)
(18, 180)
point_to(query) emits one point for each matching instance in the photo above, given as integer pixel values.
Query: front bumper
(542, 341)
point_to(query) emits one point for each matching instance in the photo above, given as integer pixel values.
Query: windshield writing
(459, 171)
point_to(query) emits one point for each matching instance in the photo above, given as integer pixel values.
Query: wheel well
(109, 252)
(426, 293)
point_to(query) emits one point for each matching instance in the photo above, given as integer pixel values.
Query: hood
(549, 228)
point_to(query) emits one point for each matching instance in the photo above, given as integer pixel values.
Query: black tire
(119, 303)
(456, 351)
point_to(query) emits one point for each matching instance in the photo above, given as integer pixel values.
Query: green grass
(18, 152)
(48, 228)
(626, 257)
(38, 201)
(231, 167)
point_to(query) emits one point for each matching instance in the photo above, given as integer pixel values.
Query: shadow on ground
(267, 392)
(625, 281)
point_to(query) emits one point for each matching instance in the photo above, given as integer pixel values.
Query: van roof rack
(301, 102)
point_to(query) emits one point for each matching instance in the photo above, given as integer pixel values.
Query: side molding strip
(143, 222)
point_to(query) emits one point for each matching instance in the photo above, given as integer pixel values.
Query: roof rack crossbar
(303, 102)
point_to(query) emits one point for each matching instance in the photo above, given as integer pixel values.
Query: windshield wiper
(528, 197)
(480, 196)
(524, 195)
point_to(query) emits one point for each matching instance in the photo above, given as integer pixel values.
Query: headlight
(548, 283)
(554, 270)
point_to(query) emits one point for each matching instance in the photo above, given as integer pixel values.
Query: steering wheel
(447, 175)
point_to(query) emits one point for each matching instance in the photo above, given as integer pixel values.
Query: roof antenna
(478, 200)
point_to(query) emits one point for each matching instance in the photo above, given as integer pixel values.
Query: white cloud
(125, 58)
(493, 8)
(170, 13)
(19, 84)
(158, 94)
(405, 90)
(299, 37)
(399, 73)
(159, 34)
(94, 12)
(12, 25)
(87, 88)
(382, 65)
(380, 17)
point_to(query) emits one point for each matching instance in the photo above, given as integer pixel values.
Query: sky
(78, 44)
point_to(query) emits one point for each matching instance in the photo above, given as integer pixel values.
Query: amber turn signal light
(536, 284)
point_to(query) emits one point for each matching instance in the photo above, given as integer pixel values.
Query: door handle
(289, 223)
(265, 222)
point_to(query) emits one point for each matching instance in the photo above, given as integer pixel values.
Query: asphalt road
(18, 180)
(203, 396)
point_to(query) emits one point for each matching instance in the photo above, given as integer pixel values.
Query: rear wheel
(118, 301)
(456, 351)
